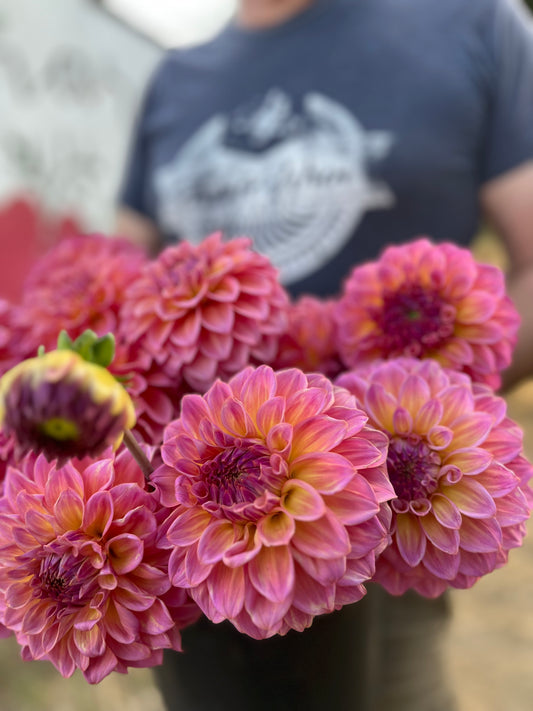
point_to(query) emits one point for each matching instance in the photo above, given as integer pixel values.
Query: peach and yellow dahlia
(278, 491)
(83, 583)
(427, 300)
(205, 311)
(455, 462)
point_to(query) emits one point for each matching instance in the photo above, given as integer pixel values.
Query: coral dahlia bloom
(455, 461)
(309, 342)
(428, 301)
(78, 285)
(63, 406)
(82, 582)
(206, 311)
(278, 487)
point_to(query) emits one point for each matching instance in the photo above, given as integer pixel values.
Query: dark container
(380, 654)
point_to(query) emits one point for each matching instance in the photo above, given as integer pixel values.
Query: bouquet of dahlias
(194, 443)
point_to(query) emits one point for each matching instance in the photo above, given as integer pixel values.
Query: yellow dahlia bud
(64, 406)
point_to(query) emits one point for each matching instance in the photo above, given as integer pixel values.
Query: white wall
(175, 22)
(71, 78)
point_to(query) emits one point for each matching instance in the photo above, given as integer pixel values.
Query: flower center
(413, 468)
(414, 320)
(59, 428)
(238, 475)
(60, 578)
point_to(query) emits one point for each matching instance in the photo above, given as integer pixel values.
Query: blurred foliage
(529, 3)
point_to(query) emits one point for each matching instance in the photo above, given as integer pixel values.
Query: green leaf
(90, 347)
(83, 345)
(64, 342)
(103, 350)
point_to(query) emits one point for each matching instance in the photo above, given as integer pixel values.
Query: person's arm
(507, 201)
(506, 173)
(135, 216)
(137, 228)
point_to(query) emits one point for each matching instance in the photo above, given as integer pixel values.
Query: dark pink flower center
(238, 475)
(413, 468)
(64, 578)
(414, 320)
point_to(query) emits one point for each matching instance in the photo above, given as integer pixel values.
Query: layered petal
(428, 300)
(461, 482)
(278, 483)
(85, 585)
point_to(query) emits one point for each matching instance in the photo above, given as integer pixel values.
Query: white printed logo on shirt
(296, 182)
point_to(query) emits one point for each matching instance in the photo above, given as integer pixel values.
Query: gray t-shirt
(356, 124)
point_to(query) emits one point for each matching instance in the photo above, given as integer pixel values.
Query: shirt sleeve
(509, 136)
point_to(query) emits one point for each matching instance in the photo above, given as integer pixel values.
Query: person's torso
(357, 124)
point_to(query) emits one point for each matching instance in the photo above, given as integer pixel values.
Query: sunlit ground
(36, 686)
(489, 649)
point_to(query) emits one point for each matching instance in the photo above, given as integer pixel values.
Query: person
(325, 130)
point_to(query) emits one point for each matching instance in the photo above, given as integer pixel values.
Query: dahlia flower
(82, 581)
(7, 450)
(155, 397)
(205, 311)
(78, 285)
(278, 489)
(455, 462)
(428, 301)
(10, 351)
(8, 358)
(309, 342)
(64, 406)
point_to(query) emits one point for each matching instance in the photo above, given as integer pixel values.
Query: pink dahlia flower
(10, 351)
(428, 301)
(455, 461)
(309, 342)
(7, 452)
(205, 311)
(278, 487)
(155, 397)
(79, 284)
(82, 581)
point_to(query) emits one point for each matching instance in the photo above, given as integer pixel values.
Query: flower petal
(471, 498)
(410, 539)
(445, 539)
(188, 526)
(276, 529)
(272, 573)
(301, 501)
(326, 472)
(226, 588)
(322, 538)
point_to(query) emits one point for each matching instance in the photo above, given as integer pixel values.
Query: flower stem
(139, 456)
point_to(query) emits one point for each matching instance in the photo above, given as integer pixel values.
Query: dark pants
(380, 654)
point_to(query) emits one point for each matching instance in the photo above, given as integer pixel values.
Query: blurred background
(72, 73)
